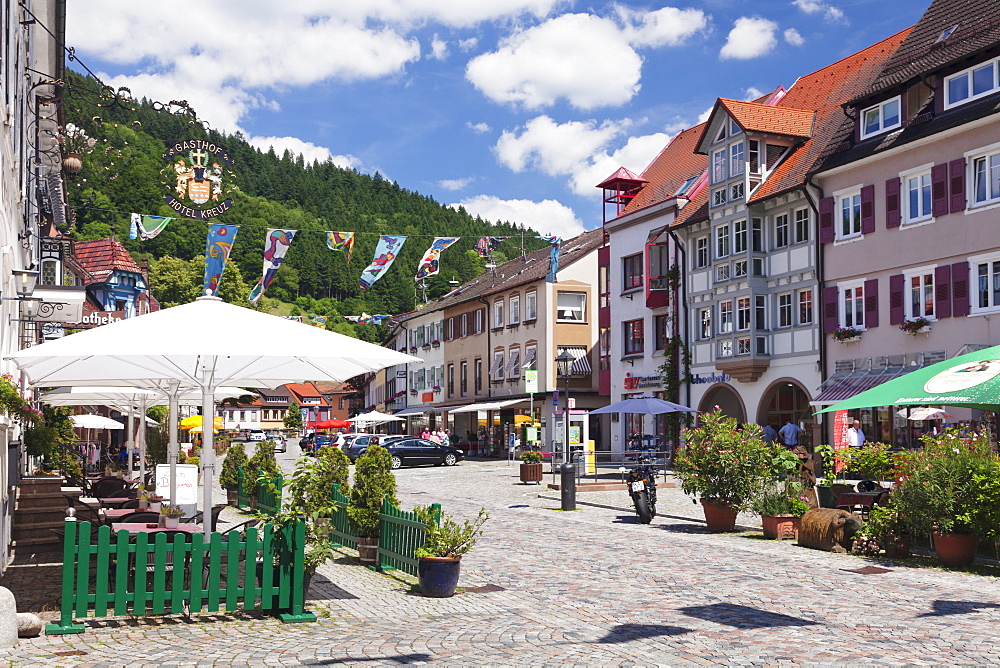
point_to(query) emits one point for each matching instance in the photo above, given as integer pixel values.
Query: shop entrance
(726, 399)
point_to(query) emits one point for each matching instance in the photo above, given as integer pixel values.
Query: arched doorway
(726, 399)
(785, 400)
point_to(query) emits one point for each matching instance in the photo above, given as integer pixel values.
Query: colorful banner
(148, 227)
(487, 245)
(365, 319)
(430, 263)
(319, 321)
(218, 245)
(385, 254)
(275, 246)
(341, 241)
(556, 243)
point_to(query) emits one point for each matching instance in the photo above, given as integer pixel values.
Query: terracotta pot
(780, 527)
(719, 518)
(368, 551)
(955, 549)
(531, 472)
(897, 546)
(438, 576)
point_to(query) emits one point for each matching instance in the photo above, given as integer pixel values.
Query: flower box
(916, 326)
(846, 334)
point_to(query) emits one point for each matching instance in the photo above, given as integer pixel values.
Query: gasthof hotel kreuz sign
(198, 178)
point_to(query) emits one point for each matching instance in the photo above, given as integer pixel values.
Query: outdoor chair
(131, 503)
(200, 516)
(106, 487)
(84, 511)
(140, 517)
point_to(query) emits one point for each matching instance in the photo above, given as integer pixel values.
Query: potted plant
(171, 516)
(531, 466)
(373, 482)
(781, 507)
(914, 326)
(884, 532)
(873, 461)
(229, 478)
(846, 334)
(155, 502)
(724, 466)
(74, 142)
(143, 498)
(261, 468)
(952, 492)
(440, 557)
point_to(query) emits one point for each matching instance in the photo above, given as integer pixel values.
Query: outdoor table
(864, 499)
(141, 527)
(110, 514)
(113, 501)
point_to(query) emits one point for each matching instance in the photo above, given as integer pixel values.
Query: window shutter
(830, 315)
(942, 291)
(960, 289)
(868, 210)
(871, 303)
(826, 234)
(956, 185)
(939, 189)
(892, 213)
(897, 303)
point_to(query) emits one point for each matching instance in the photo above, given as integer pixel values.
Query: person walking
(790, 434)
(769, 433)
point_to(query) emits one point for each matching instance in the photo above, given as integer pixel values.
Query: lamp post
(567, 472)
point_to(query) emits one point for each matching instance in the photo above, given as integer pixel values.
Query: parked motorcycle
(641, 482)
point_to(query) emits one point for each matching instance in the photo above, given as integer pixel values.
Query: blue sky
(515, 109)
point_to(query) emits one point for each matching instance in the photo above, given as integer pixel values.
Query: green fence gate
(118, 573)
(400, 534)
(340, 528)
(266, 492)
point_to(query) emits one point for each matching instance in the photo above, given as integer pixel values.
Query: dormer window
(721, 134)
(880, 118)
(971, 84)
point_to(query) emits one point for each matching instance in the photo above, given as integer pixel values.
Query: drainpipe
(682, 302)
(489, 344)
(820, 275)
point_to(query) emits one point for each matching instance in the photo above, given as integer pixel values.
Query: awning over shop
(581, 365)
(485, 406)
(416, 410)
(845, 385)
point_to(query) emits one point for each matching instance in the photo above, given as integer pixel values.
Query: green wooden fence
(400, 534)
(178, 573)
(340, 529)
(267, 493)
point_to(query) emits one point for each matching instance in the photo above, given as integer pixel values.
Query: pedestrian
(442, 436)
(855, 436)
(790, 434)
(425, 434)
(770, 434)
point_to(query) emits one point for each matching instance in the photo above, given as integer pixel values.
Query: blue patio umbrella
(645, 406)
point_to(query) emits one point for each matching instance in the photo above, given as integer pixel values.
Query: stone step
(38, 530)
(22, 519)
(52, 543)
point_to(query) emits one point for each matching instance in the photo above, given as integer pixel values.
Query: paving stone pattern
(591, 587)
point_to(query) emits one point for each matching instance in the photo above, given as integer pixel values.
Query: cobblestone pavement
(591, 587)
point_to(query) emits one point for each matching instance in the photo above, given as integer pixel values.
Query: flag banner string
(385, 254)
(275, 246)
(218, 245)
(430, 263)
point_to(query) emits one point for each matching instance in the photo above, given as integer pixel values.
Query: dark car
(315, 442)
(358, 443)
(417, 451)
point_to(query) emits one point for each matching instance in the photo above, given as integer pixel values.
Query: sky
(514, 109)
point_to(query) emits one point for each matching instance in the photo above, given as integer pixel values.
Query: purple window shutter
(960, 289)
(868, 210)
(892, 213)
(826, 234)
(956, 185)
(939, 189)
(897, 299)
(871, 303)
(942, 291)
(831, 317)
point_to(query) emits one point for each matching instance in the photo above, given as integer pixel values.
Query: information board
(187, 484)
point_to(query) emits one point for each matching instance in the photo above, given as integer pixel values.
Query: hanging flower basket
(846, 334)
(914, 326)
(72, 163)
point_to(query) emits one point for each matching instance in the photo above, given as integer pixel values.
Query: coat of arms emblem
(196, 175)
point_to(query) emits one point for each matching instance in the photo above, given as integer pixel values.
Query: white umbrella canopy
(95, 422)
(373, 417)
(204, 344)
(929, 413)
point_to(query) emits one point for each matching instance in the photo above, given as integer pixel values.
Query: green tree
(293, 418)
(373, 482)
(236, 456)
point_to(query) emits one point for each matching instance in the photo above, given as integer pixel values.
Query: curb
(695, 520)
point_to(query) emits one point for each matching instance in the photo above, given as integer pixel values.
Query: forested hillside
(122, 175)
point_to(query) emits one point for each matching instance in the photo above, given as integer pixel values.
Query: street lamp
(564, 364)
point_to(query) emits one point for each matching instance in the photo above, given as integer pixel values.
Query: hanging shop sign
(636, 382)
(197, 178)
(712, 378)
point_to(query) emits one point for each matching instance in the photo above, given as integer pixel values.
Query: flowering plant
(914, 325)
(846, 333)
(74, 140)
(724, 463)
(884, 526)
(172, 511)
(787, 499)
(436, 388)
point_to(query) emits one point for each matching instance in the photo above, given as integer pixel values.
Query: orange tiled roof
(668, 171)
(825, 91)
(778, 120)
(101, 257)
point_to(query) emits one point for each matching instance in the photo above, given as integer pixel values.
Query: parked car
(280, 443)
(410, 451)
(358, 443)
(256, 435)
(316, 442)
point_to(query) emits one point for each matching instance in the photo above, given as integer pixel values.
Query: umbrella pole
(130, 441)
(142, 440)
(207, 453)
(173, 445)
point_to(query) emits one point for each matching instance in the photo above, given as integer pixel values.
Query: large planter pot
(955, 549)
(531, 472)
(825, 497)
(438, 576)
(897, 546)
(719, 518)
(368, 551)
(780, 527)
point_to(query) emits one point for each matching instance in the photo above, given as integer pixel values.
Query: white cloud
(456, 184)
(468, 44)
(309, 151)
(830, 13)
(478, 128)
(636, 155)
(545, 217)
(752, 93)
(750, 38)
(793, 37)
(552, 148)
(589, 61)
(439, 48)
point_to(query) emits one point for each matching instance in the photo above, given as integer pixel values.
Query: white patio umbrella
(205, 344)
(89, 421)
(373, 417)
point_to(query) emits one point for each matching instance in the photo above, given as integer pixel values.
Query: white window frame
(974, 290)
(726, 316)
(479, 321)
(800, 301)
(702, 255)
(743, 313)
(907, 214)
(786, 317)
(743, 345)
(737, 158)
(988, 154)
(581, 307)
(781, 230)
(739, 237)
(704, 324)
(515, 309)
(925, 287)
(721, 272)
(725, 348)
(739, 268)
(801, 225)
(736, 192)
(465, 325)
(530, 306)
(880, 110)
(994, 64)
(498, 314)
(720, 165)
(857, 288)
(719, 197)
(722, 242)
(838, 213)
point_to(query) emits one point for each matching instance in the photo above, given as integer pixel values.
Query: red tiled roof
(621, 174)
(668, 171)
(101, 257)
(780, 120)
(825, 91)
